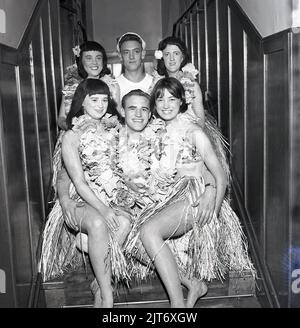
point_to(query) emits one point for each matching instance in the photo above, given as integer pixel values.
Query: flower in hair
(190, 69)
(158, 54)
(76, 51)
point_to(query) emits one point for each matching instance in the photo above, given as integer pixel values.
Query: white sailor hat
(121, 37)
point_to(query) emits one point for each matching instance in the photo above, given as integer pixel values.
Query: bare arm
(197, 103)
(116, 95)
(70, 144)
(114, 89)
(63, 185)
(207, 200)
(205, 148)
(62, 115)
(67, 204)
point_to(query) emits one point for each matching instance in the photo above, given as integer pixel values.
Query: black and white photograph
(149, 158)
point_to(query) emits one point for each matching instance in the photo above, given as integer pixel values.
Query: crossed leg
(166, 224)
(103, 293)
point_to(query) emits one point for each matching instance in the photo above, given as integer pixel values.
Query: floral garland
(186, 76)
(96, 151)
(76, 51)
(71, 75)
(135, 163)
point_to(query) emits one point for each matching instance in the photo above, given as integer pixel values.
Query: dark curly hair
(174, 87)
(171, 40)
(91, 46)
(89, 87)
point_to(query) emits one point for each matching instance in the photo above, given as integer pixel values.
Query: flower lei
(186, 76)
(76, 51)
(134, 163)
(71, 75)
(96, 151)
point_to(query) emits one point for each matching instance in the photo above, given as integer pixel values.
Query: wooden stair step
(73, 290)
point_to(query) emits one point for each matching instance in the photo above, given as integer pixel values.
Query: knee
(148, 231)
(96, 225)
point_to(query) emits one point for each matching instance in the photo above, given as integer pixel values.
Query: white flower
(189, 89)
(158, 54)
(148, 133)
(190, 68)
(76, 51)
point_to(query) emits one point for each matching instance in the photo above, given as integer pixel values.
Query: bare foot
(197, 289)
(108, 303)
(96, 293)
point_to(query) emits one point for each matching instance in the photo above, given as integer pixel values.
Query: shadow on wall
(2, 21)
(296, 13)
(18, 14)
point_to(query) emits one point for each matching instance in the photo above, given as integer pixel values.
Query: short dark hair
(175, 88)
(129, 37)
(136, 92)
(92, 46)
(89, 87)
(171, 40)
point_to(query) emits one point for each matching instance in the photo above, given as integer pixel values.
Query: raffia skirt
(204, 252)
(60, 254)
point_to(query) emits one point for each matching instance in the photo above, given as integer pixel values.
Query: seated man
(135, 146)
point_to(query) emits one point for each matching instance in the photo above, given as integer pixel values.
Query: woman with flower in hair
(87, 154)
(91, 62)
(173, 61)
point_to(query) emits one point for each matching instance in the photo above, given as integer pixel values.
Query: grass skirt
(56, 162)
(60, 253)
(219, 143)
(206, 252)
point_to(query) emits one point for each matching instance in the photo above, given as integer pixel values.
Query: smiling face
(167, 106)
(92, 62)
(136, 113)
(132, 55)
(173, 57)
(95, 105)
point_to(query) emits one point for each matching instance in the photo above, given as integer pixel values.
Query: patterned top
(177, 153)
(96, 153)
(149, 167)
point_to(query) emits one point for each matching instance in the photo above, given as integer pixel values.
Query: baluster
(181, 30)
(186, 33)
(198, 42)
(206, 47)
(192, 37)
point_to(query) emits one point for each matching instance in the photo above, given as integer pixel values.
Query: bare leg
(93, 224)
(82, 244)
(160, 227)
(120, 234)
(196, 289)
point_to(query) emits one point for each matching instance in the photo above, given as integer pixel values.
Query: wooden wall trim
(265, 286)
(8, 55)
(9, 269)
(258, 77)
(30, 29)
(30, 81)
(247, 25)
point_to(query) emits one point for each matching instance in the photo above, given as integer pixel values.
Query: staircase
(72, 291)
